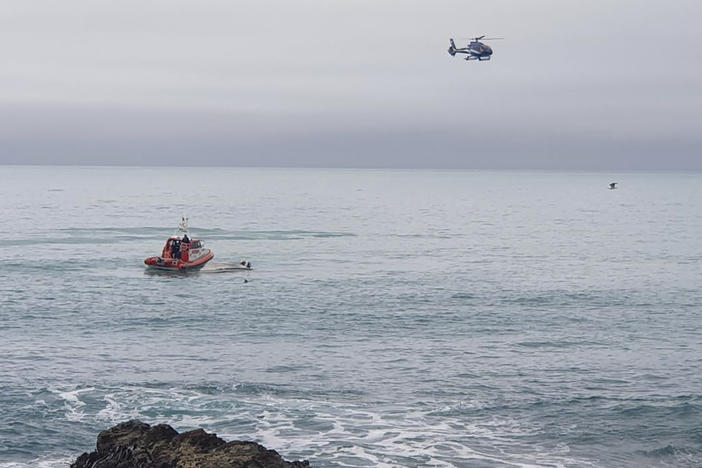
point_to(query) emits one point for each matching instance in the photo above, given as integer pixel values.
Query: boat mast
(183, 228)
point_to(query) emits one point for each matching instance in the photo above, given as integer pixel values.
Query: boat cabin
(178, 248)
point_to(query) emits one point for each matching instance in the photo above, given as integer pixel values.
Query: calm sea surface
(394, 318)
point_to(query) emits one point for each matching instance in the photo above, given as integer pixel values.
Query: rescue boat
(181, 252)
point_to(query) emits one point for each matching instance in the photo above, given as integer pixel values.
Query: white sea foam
(45, 462)
(72, 402)
(371, 437)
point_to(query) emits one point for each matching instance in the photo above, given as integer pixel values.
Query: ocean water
(394, 318)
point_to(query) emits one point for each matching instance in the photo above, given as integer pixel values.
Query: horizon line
(367, 168)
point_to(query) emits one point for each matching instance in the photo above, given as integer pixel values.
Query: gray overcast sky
(359, 83)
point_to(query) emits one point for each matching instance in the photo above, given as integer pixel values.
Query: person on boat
(186, 239)
(176, 249)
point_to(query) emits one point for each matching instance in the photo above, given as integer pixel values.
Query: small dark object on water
(245, 280)
(134, 444)
(613, 185)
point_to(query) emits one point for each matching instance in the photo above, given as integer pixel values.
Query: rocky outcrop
(134, 444)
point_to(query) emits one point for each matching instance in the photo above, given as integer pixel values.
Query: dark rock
(134, 444)
(123, 434)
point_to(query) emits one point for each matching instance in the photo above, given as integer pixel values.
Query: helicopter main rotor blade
(481, 38)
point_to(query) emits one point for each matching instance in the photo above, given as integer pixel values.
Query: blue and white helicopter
(475, 50)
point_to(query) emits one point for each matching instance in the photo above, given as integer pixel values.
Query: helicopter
(475, 50)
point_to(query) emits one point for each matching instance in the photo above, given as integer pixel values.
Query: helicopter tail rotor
(452, 48)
